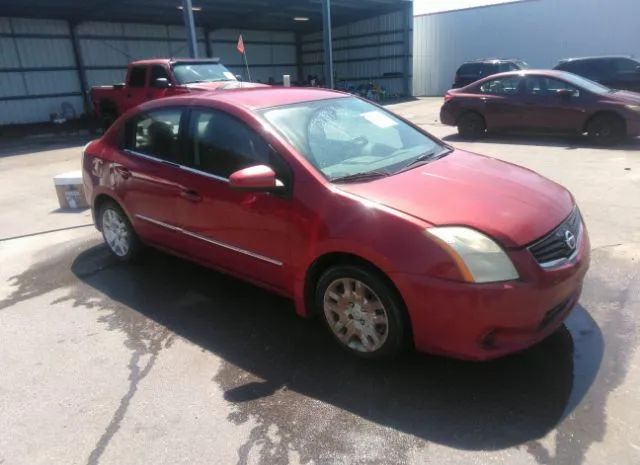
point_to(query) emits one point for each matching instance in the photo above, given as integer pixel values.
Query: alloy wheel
(356, 315)
(116, 232)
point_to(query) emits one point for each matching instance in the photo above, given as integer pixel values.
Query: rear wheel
(471, 126)
(362, 312)
(118, 233)
(606, 130)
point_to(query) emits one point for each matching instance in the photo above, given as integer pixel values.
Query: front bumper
(487, 321)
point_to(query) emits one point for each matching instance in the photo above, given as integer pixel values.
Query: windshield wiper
(424, 157)
(363, 176)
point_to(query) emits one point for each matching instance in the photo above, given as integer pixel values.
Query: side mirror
(638, 69)
(565, 94)
(239, 77)
(256, 178)
(162, 83)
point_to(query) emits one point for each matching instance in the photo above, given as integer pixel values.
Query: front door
(136, 90)
(553, 105)
(241, 231)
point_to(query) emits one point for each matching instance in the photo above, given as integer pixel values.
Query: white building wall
(541, 32)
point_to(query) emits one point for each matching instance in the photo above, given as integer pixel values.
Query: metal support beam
(328, 53)
(187, 14)
(406, 48)
(207, 43)
(299, 70)
(82, 72)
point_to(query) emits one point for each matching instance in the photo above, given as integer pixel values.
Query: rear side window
(591, 69)
(221, 144)
(502, 86)
(155, 133)
(137, 76)
(470, 69)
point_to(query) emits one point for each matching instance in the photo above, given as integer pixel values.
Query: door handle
(122, 171)
(190, 195)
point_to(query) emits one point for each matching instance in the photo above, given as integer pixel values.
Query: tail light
(447, 97)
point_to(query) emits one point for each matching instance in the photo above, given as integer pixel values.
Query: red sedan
(389, 235)
(543, 101)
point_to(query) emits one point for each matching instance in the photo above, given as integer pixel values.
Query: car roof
(492, 60)
(526, 72)
(169, 61)
(255, 98)
(600, 57)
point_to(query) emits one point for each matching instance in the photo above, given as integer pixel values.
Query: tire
(376, 330)
(605, 130)
(117, 232)
(471, 126)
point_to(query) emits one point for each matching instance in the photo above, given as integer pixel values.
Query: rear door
(146, 173)
(546, 110)
(501, 102)
(135, 92)
(241, 231)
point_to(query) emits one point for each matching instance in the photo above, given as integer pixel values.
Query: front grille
(559, 244)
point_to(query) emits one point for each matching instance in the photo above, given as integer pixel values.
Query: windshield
(347, 136)
(187, 73)
(585, 83)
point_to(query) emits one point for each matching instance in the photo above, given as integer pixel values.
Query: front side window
(542, 86)
(137, 76)
(221, 144)
(188, 73)
(626, 65)
(155, 133)
(346, 136)
(158, 72)
(501, 86)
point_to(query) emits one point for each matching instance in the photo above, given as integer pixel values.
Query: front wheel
(471, 126)
(118, 233)
(605, 130)
(362, 311)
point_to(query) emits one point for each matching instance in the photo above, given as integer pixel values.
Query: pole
(187, 15)
(246, 64)
(82, 73)
(406, 48)
(328, 52)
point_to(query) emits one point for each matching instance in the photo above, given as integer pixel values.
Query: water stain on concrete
(312, 401)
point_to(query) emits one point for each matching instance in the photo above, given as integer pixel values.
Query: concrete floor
(167, 362)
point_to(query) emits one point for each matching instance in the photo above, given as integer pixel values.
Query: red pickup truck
(157, 78)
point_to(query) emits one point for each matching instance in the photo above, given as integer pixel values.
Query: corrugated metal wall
(541, 32)
(371, 50)
(37, 70)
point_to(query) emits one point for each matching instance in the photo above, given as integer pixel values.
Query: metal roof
(214, 14)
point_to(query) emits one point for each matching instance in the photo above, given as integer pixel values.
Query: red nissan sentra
(391, 236)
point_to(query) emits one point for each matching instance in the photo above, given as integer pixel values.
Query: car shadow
(544, 140)
(467, 405)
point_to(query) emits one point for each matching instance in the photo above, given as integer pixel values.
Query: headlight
(480, 259)
(633, 107)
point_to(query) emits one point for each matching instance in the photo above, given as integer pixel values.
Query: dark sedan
(543, 101)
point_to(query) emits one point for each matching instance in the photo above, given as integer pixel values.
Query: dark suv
(617, 72)
(471, 71)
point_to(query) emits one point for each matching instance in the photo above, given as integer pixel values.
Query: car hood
(224, 85)
(509, 203)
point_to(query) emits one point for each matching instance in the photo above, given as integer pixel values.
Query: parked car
(471, 71)
(542, 101)
(388, 234)
(152, 79)
(617, 72)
